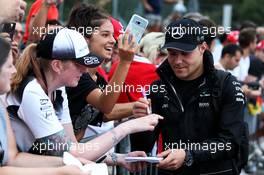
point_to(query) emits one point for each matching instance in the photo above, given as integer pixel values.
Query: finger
(120, 41)
(5, 35)
(125, 40)
(164, 153)
(23, 5)
(149, 101)
(132, 44)
(14, 43)
(139, 115)
(141, 105)
(143, 100)
(168, 161)
(140, 111)
(158, 116)
(155, 117)
(150, 128)
(138, 153)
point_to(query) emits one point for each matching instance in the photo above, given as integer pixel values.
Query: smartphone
(137, 26)
(9, 28)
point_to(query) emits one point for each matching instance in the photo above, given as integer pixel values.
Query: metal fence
(150, 170)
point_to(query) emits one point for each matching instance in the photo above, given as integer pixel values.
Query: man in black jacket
(202, 107)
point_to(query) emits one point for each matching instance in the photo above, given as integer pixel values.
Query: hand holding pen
(142, 107)
(149, 105)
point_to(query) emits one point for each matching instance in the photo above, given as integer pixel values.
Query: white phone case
(137, 26)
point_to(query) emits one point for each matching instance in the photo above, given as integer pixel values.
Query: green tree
(251, 10)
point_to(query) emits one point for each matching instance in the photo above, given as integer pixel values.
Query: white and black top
(37, 117)
(3, 138)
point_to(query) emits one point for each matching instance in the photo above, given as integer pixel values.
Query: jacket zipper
(176, 94)
(174, 91)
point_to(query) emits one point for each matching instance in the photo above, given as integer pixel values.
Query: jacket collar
(166, 73)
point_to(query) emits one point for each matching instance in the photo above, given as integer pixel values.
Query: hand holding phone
(9, 28)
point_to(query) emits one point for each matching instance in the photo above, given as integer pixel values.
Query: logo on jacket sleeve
(204, 105)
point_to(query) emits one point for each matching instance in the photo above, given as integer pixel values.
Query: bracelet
(113, 158)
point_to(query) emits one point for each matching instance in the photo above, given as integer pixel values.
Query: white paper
(96, 168)
(92, 168)
(143, 159)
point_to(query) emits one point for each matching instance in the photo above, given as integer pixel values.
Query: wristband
(113, 158)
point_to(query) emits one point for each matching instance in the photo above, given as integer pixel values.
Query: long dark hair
(86, 16)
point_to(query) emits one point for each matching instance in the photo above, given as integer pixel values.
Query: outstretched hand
(173, 159)
(140, 107)
(147, 123)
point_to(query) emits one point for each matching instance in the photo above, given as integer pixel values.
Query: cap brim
(90, 60)
(179, 46)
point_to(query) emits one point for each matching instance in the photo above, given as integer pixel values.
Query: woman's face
(72, 73)
(6, 72)
(102, 41)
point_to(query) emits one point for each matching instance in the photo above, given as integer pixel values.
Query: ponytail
(30, 64)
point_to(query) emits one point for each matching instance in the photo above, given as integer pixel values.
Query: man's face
(18, 33)
(187, 65)
(234, 60)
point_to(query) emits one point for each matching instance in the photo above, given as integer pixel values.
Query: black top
(186, 88)
(82, 113)
(77, 95)
(256, 68)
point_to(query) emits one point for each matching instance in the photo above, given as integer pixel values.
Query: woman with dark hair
(89, 102)
(11, 161)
